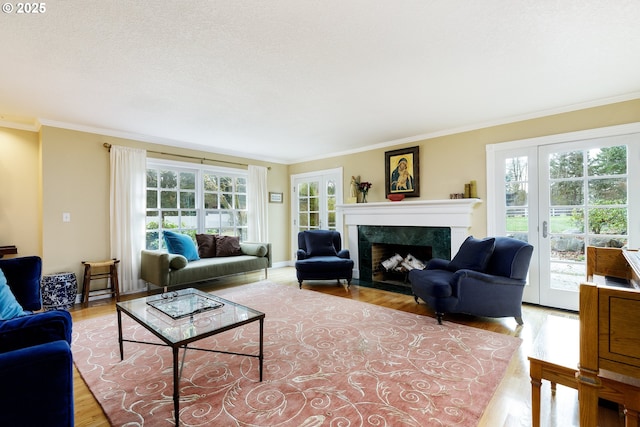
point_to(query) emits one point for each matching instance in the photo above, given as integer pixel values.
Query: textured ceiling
(290, 80)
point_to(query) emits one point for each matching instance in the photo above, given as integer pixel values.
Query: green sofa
(161, 268)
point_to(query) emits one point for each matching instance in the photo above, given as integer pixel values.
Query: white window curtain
(128, 180)
(257, 195)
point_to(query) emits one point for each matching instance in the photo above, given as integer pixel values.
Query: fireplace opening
(423, 243)
(390, 263)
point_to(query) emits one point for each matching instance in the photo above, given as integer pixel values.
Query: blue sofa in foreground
(36, 366)
(485, 278)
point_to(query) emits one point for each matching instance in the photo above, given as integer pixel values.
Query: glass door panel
(315, 197)
(584, 200)
(516, 193)
(308, 195)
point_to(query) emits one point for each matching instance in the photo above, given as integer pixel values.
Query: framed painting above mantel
(402, 172)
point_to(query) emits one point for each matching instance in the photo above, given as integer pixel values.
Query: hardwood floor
(510, 405)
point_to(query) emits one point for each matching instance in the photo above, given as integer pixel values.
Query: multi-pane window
(589, 196)
(225, 204)
(194, 200)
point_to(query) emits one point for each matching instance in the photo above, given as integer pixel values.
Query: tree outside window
(194, 200)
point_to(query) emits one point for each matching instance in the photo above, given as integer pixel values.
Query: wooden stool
(106, 270)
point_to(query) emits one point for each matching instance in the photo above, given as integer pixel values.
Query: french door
(314, 198)
(512, 205)
(562, 197)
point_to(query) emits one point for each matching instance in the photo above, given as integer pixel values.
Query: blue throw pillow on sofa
(181, 244)
(9, 306)
(474, 254)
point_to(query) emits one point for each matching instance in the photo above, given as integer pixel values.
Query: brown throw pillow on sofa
(228, 246)
(206, 245)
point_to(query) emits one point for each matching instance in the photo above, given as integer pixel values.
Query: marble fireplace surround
(454, 213)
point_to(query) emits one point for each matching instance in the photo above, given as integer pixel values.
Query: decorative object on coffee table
(59, 291)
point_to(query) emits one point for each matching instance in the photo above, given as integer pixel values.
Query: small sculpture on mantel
(353, 194)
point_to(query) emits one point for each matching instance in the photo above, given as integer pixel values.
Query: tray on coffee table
(178, 306)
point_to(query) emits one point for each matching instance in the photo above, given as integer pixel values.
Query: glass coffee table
(182, 317)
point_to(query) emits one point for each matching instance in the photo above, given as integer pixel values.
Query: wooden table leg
(536, 382)
(588, 386)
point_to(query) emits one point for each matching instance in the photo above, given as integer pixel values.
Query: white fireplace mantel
(453, 213)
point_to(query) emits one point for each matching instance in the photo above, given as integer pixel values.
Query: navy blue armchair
(36, 365)
(320, 257)
(485, 278)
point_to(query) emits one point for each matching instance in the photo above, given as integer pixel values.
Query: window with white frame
(194, 199)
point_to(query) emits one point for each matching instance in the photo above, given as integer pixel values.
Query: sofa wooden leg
(415, 297)
(348, 283)
(300, 282)
(519, 320)
(439, 316)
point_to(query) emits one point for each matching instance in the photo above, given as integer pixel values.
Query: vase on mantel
(364, 187)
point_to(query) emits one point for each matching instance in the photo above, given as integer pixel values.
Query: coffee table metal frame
(230, 316)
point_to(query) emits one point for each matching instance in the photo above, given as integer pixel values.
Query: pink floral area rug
(329, 361)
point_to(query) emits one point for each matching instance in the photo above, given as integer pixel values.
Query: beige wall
(20, 201)
(73, 173)
(75, 180)
(448, 162)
